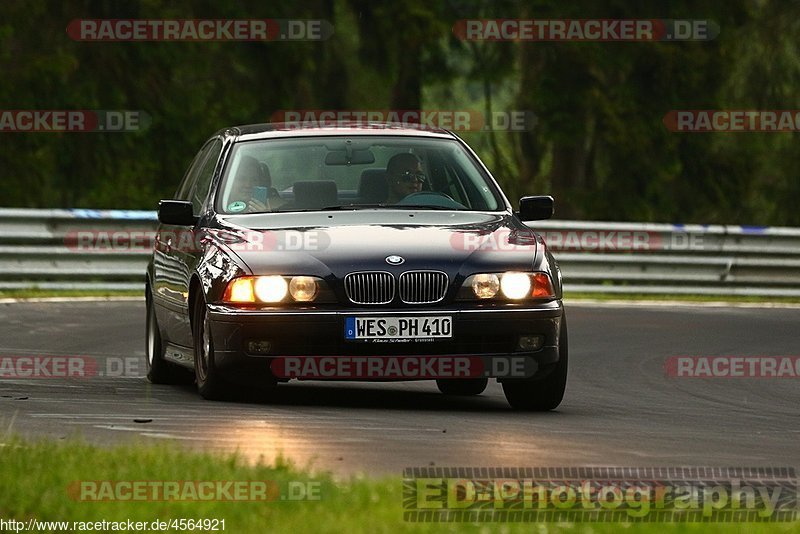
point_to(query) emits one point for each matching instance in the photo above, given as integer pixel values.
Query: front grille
(369, 287)
(422, 287)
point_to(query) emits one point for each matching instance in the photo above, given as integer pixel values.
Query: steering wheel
(431, 198)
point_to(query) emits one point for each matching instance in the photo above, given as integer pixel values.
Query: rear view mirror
(350, 157)
(176, 213)
(535, 208)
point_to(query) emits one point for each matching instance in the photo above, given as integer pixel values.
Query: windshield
(354, 173)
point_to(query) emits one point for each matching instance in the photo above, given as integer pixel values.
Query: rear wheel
(462, 387)
(210, 383)
(159, 370)
(546, 393)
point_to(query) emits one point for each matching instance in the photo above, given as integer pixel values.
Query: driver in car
(251, 177)
(405, 176)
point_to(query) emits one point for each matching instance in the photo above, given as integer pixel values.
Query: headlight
(303, 288)
(240, 290)
(511, 285)
(515, 285)
(270, 288)
(273, 289)
(485, 286)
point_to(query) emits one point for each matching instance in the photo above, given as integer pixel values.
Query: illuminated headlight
(271, 288)
(515, 285)
(511, 285)
(485, 286)
(303, 288)
(240, 290)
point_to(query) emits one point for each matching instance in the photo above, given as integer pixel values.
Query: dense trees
(599, 144)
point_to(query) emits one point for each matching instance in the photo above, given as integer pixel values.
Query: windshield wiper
(387, 206)
(355, 207)
(426, 207)
(342, 207)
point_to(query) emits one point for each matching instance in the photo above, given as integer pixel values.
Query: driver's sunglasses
(412, 176)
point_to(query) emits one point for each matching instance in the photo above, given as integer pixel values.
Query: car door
(176, 248)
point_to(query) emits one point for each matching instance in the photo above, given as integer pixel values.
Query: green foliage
(599, 144)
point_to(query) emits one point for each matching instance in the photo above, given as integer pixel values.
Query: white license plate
(398, 327)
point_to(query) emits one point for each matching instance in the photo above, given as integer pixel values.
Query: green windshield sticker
(237, 206)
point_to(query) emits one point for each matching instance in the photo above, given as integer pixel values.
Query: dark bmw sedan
(352, 252)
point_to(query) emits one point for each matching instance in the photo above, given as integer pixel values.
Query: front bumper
(487, 332)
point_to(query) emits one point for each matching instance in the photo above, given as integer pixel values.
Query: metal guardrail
(35, 249)
(38, 250)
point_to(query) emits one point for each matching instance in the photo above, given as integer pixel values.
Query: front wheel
(463, 386)
(210, 383)
(545, 393)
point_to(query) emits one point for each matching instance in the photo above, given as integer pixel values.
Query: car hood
(337, 243)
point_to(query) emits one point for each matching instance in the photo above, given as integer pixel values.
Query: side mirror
(535, 208)
(176, 213)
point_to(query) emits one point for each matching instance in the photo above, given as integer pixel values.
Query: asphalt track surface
(620, 408)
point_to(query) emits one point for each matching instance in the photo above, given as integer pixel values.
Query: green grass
(36, 476)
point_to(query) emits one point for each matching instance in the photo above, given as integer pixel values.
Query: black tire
(546, 393)
(159, 370)
(210, 384)
(462, 386)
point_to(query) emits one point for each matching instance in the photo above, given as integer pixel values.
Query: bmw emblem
(395, 260)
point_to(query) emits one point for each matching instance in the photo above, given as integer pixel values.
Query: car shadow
(367, 395)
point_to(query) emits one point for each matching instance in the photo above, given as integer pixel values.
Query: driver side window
(199, 193)
(189, 179)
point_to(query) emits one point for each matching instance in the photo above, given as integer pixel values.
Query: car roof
(273, 130)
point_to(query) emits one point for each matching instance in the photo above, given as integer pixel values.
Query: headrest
(315, 194)
(254, 171)
(373, 187)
